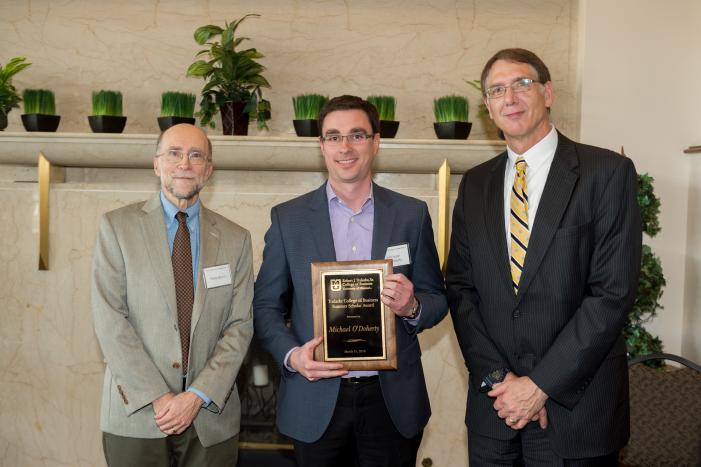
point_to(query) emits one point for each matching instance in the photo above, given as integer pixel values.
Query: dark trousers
(183, 450)
(530, 448)
(360, 434)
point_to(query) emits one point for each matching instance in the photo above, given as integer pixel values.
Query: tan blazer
(135, 314)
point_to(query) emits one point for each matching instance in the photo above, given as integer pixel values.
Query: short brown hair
(347, 102)
(518, 56)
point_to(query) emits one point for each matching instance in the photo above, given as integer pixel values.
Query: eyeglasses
(174, 156)
(353, 138)
(520, 85)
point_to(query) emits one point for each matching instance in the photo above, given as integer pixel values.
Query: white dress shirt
(538, 161)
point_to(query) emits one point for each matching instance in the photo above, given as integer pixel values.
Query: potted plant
(9, 98)
(176, 107)
(107, 112)
(639, 340)
(385, 106)
(307, 107)
(263, 113)
(39, 110)
(233, 78)
(451, 117)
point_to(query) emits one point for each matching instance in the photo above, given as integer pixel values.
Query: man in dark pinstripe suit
(542, 271)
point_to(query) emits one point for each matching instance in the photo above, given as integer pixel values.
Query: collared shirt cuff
(415, 320)
(202, 395)
(287, 358)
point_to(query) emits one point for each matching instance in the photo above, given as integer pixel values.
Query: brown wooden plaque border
(389, 362)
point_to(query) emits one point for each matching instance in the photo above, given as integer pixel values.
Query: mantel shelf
(99, 150)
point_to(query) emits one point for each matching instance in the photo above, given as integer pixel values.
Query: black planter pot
(3, 121)
(452, 130)
(388, 128)
(306, 127)
(166, 122)
(40, 122)
(107, 123)
(234, 120)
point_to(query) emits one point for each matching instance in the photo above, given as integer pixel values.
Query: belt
(359, 379)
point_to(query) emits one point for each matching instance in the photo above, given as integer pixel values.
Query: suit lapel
(494, 219)
(209, 250)
(154, 232)
(556, 196)
(320, 225)
(382, 223)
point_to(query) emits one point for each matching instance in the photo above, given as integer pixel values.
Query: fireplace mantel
(52, 153)
(256, 153)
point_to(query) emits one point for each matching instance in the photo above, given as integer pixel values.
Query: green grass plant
(307, 106)
(177, 104)
(385, 106)
(450, 109)
(107, 103)
(39, 101)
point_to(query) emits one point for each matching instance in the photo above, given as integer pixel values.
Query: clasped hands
(518, 400)
(174, 413)
(397, 294)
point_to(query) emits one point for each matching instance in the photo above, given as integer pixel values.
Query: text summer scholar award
(358, 329)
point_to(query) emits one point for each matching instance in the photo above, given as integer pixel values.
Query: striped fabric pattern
(520, 231)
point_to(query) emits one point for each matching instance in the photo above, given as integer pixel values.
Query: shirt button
(352, 219)
(353, 249)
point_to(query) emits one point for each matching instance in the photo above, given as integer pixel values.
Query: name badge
(399, 254)
(217, 276)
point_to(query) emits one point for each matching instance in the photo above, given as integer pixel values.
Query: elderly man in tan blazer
(171, 299)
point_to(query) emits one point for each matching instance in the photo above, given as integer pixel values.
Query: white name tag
(399, 254)
(217, 276)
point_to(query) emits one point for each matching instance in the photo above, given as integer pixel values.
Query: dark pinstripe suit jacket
(563, 329)
(301, 233)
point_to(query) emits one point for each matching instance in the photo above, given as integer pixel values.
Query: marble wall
(50, 361)
(415, 50)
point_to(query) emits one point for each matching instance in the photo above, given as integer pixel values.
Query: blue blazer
(300, 234)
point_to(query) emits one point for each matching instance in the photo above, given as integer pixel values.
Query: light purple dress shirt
(352, 236)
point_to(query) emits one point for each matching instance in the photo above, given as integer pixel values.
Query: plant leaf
(199, 68)
(202, 34)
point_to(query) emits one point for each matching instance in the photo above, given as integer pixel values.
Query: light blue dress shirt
(193, 225)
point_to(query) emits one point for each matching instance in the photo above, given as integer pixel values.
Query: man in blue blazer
(335, 416)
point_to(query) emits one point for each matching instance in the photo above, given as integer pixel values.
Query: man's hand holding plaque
(302, 361)
(398, 295)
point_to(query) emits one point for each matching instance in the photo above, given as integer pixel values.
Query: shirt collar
(170, 210)
(539, 154)
(331, 196)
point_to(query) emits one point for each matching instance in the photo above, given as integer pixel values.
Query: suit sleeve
(427, 278)
(579, 349)
(479, 351)
(218, 376)
(135, 374)
(273, 292)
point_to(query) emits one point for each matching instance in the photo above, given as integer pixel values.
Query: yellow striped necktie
(520, 231)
